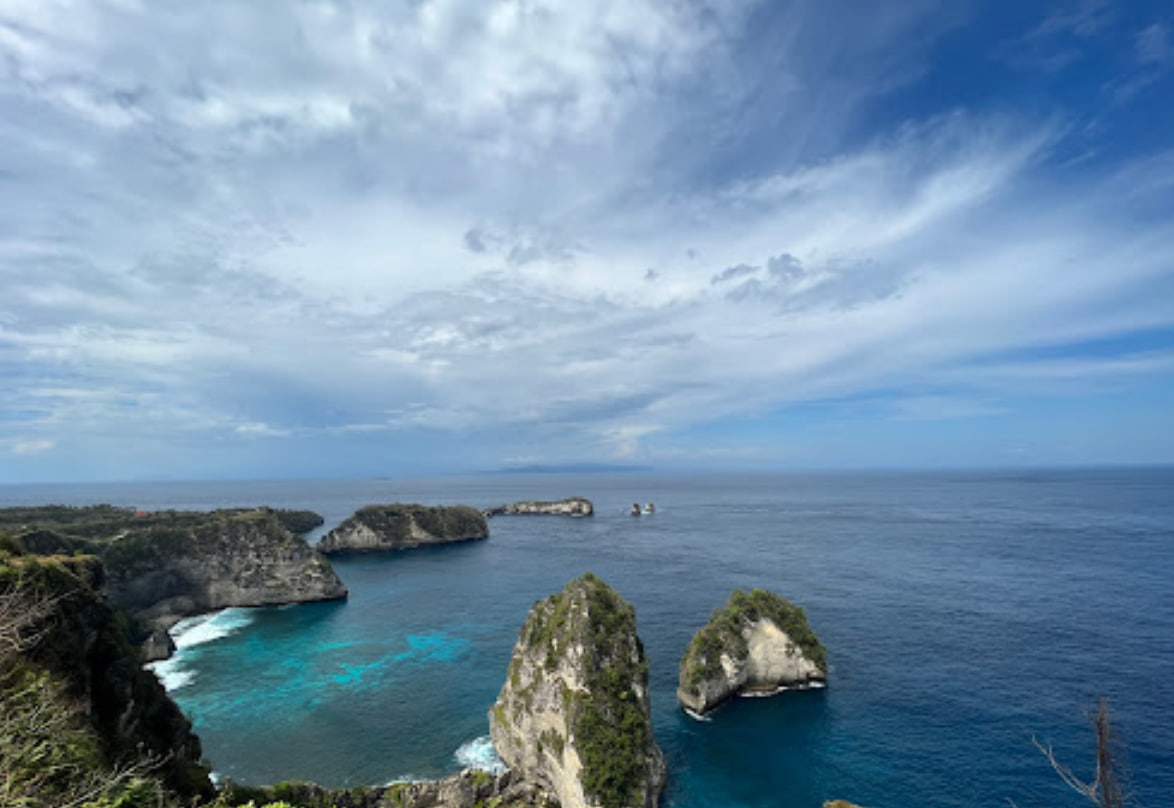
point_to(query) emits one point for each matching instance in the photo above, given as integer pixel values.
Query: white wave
(765, 694)
(696, 716)
(193, 631)
(174, 672)
(480, 754)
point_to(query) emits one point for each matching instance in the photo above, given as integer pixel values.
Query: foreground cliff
(573, 715)
(80, 720)
(572, 506)
(399, 527)
(757, 642)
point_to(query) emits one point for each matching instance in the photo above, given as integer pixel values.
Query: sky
(374, 237)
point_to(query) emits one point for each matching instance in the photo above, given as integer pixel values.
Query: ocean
(965, 614)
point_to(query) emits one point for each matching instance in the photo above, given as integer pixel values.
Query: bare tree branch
(1104, 790)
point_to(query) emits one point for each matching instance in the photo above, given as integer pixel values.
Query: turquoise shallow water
(963, 613)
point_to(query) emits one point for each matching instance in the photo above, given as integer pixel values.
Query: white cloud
(351, 219)
(31, 447)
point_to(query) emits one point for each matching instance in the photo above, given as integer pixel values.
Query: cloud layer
(348, 237)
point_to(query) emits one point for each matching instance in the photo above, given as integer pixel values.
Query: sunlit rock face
(573, 715)
(758, 642)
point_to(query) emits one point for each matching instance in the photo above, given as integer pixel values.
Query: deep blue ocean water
(964, 613)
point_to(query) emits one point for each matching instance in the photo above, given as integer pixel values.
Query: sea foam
(480, 754)
(174, 672)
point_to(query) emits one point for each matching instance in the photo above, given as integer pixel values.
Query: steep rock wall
(573, 715)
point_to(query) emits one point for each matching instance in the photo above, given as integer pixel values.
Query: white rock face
(554, 682)
(760, 657)
(774, 660)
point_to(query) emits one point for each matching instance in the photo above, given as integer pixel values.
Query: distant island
(571, 506)
(376, 528)
(570, 468)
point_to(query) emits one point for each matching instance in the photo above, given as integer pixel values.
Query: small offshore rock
(399, 527)
(571, 506)
(573, 716)
(756, 642)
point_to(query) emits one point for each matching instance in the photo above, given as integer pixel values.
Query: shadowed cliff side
(81, 720)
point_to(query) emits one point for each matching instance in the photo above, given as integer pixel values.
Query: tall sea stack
(573, 715)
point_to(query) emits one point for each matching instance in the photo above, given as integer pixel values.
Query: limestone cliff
(166, 565)
(757, 642)
(573, 715)
(572, 506)
(162, 572)
(398, 527)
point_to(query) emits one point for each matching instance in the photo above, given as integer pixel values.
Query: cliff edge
(573, 716)
(399, 527)
(164, 571)
(166, 565)
(81, 719)
(756, 642)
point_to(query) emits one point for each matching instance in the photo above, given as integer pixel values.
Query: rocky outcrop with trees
(757, 642)
(399, 527)
(573, 715)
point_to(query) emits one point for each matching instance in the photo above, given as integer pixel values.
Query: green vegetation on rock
(80, 721)
(606, 715)
(723, 633)
(611, 730)
(440, 521)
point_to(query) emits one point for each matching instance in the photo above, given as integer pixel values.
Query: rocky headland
(167, 565)
(758, 642)
(573, 716)
(571, 506)
(399, 527)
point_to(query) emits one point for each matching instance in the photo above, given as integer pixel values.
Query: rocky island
(572, 506)
(758, 642)
(573, 715)
(399, 527)
(167, 565)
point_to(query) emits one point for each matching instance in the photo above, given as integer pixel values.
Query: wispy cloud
(30, 447)
(554, 232)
